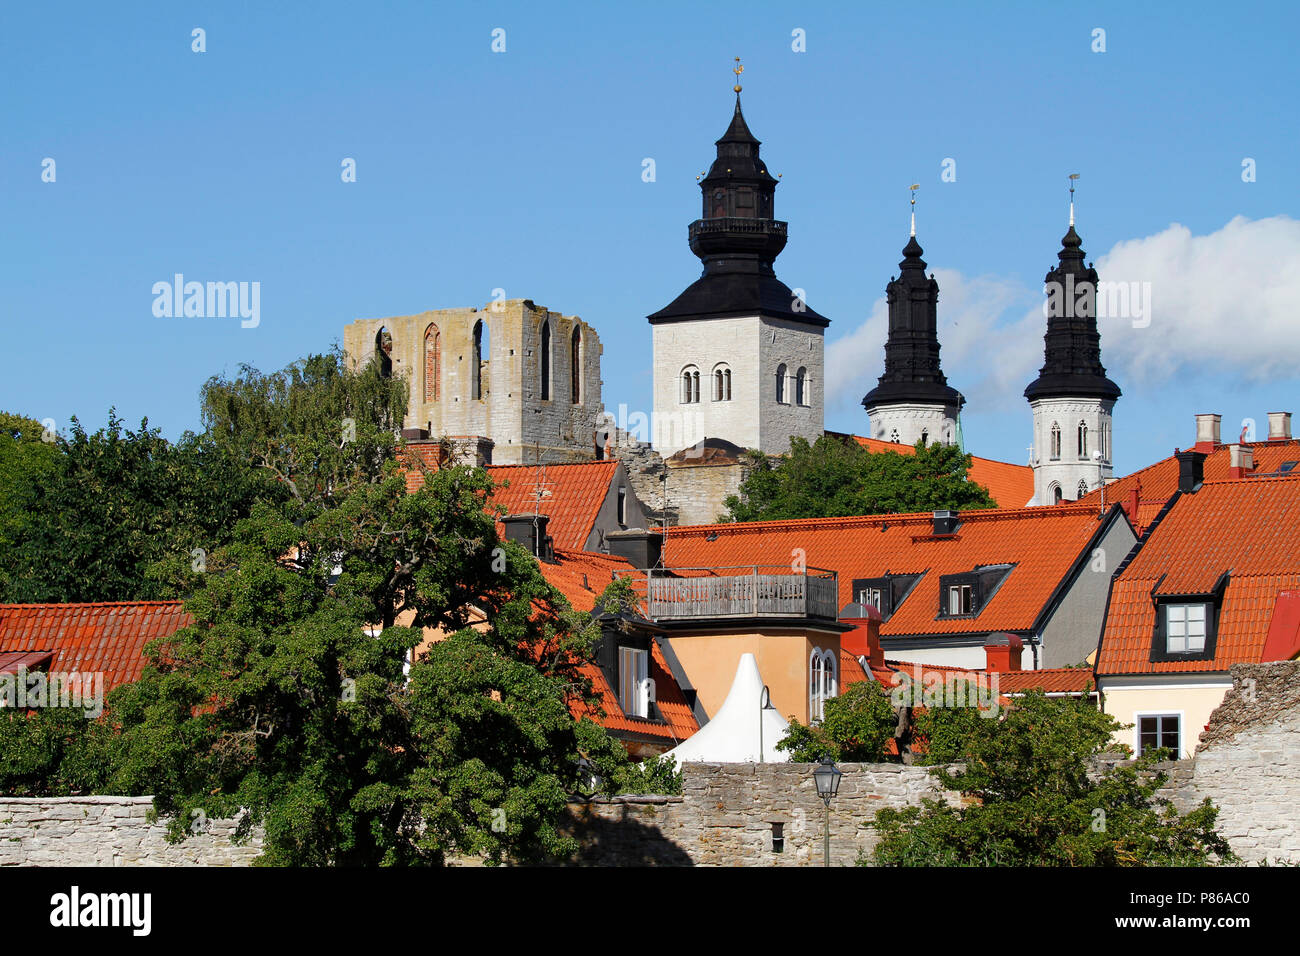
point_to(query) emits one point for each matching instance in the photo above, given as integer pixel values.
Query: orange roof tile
(569, 494)
(104, 637)
(1248, 527)
(1010, 486)
(1156, 483)
(581, 576)
(1042, 543)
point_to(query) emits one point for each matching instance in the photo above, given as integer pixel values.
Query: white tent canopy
(733, 735)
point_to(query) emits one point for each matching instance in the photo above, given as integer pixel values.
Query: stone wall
(726, 813)
(108, 831)
(1248, 762)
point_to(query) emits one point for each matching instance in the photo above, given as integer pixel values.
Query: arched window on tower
(546, 360)
(780, 383)
(925, 437)
(1055, 492)
(690, 385)
(1056, 441)
(801, 387)
(575, 366)
(432, 363)
(1083, 440)
(476, 368)
(721, 383)
(1105, 441)
(384, 351)
(1083, 489)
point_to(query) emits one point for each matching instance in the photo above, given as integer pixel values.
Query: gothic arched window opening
(575, 367)
(476, 369)
(690, 385)
(801, 387)
(1056, 441)
(384, 352)
(722, 384)
(546, 360)
(432, 363)
(1083, 439)
(780, 383)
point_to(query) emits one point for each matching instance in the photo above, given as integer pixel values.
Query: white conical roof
(733, 734)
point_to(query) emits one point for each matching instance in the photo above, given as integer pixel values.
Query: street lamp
(827, 777)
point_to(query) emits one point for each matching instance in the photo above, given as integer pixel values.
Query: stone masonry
(108, 831)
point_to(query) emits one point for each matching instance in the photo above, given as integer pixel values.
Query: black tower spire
(912, 373)
(1073, 346)
(738, 239)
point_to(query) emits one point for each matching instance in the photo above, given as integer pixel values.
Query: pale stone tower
(513, 372)
(1072, 398)
(737, 356)
(913, 401)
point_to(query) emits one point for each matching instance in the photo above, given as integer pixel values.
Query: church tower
(913, 400)
(1072, 398)
(738, 355)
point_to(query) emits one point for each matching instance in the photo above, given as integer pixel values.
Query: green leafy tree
(53, 752)
(88, 516)
(1033, 798)
(857, 726)
(833, 478)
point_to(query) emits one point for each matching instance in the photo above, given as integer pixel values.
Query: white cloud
(1227, 301)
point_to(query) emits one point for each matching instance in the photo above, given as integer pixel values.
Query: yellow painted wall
(783, 655)
(1194, 703)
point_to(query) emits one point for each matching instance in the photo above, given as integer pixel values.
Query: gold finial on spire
(914, 187)
(737, 69)
(1073, 178)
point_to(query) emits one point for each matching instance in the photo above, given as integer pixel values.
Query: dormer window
(1187, 624)
(966, 595)
(885, 593)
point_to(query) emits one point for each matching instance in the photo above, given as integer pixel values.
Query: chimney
(529, 530)
(1207, 433)
(1002, 653)
(1241, 461)
(945, 522)
(1191, 470)
(639, 547)
(472, 450)
(1279, 426)
(864, 639)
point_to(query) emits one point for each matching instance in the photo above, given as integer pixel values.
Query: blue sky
(522, 171)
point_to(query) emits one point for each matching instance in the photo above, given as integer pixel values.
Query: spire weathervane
(737, 69)
(914, 187)
(1073, 179)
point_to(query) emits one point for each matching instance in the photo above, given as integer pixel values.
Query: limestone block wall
(727, 812)
(1248, 762)
(435, 351)
(108, 831)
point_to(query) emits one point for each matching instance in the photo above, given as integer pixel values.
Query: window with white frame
(1156, 731)
(960, 599)
(690, 390)
(634, 681)
(722, 384)
(822, 681)
(1185, 628)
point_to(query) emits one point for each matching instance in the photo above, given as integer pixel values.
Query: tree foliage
(832, 478)
(1035, 798)
(857, 726)
(87, 516)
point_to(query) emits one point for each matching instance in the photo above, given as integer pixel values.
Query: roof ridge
(94, 604)
(908, 517)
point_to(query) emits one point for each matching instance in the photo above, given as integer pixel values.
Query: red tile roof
(107, 637)
(1042, 543)
(1156, 483)
(1248, 527)
(581, 576)
(570, 494)
(1283, 640)
(1010, 486)
(1050, 680)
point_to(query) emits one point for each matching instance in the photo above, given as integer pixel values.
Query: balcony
(765, 591)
